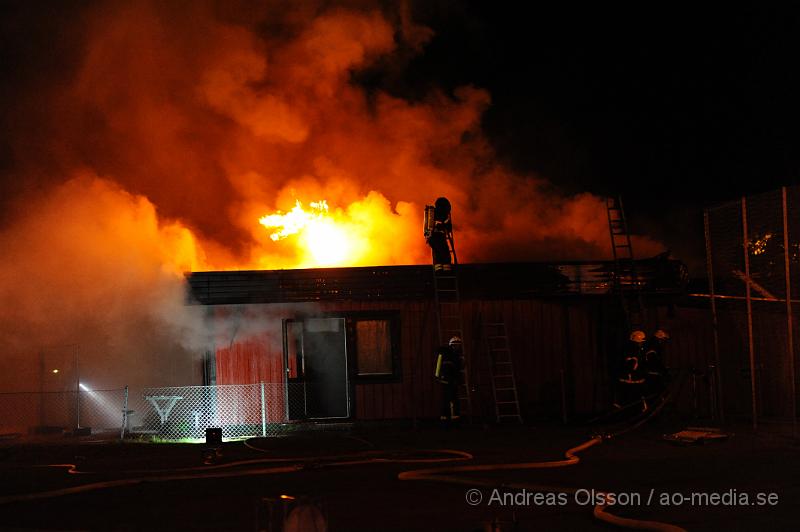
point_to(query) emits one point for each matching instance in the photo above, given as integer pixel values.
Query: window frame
(393, 317)
(351, 319)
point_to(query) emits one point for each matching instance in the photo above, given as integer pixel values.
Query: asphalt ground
(349, 478)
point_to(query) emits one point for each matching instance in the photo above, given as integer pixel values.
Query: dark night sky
(666, 104)
(675, 109)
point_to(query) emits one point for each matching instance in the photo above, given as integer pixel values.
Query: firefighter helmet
(443, 204)
(661, 335)
(638, 337)
(455, 340)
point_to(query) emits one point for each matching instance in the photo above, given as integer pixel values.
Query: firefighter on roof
(447, 373)
(437, 233)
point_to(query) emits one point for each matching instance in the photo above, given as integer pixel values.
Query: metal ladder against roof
(449, 321)
(624, 263)
(504, 384)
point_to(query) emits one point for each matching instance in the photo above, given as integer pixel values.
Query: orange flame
(368, 231)
(324, 240)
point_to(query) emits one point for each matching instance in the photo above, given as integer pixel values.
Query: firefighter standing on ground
(656, 375)
(447, 373)
(631, 381)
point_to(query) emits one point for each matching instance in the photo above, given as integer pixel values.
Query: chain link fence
(753, 260)
(59, 412)
(241, 411)
(180, 413)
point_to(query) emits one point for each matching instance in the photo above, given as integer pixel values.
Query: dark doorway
(316, 364)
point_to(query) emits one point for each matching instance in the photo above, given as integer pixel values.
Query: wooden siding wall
(546, 339)
(565, 342)
(414, 396)
(551, 342)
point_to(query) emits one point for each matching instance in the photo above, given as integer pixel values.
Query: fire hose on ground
(451, 475)
(295, 465)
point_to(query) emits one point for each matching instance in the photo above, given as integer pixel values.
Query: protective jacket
(442, 226)
(447, 373)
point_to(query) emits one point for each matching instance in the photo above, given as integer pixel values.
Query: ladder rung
(503, 383)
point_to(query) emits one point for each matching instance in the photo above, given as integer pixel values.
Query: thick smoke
(90, 264)
(174, 127)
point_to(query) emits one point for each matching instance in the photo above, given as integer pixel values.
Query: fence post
(719, 409)
(77, 388)
(263, 412)
(124, 414)
(41, 387)
(751, 347)
(789, 333)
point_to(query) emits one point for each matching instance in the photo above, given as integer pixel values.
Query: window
(374, 347)
(372, 340)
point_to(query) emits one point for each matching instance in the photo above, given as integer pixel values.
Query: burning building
(358, 343)
(232, 139)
